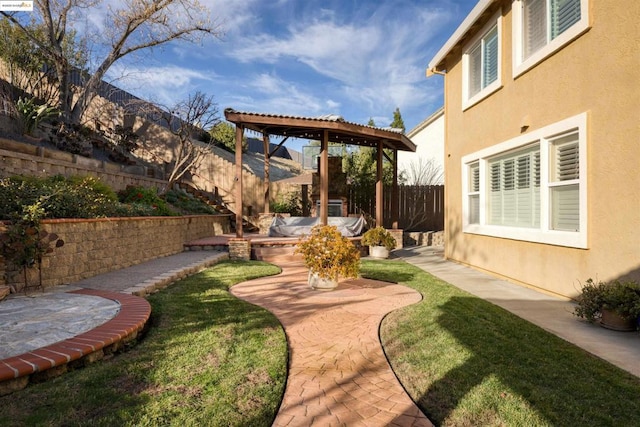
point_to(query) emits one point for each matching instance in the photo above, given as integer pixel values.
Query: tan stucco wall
(598, 73)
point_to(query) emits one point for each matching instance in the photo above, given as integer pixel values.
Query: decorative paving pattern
(338, 373)
(127, 323)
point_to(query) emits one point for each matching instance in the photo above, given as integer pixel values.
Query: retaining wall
(96, 246)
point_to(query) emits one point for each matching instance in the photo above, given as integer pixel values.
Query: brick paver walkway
(338, 373)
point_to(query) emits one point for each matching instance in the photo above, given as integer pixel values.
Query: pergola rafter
(326, 129)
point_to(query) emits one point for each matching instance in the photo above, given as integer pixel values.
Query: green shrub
(88, 197)
(620, 297)
(188, 203)
(146, 196)
(289, 203)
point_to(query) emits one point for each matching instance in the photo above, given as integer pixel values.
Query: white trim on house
(460, 32)
(545, 138)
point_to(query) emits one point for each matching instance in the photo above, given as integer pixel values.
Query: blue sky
(360, 59)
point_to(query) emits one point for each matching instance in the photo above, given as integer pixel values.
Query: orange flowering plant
(329, 254)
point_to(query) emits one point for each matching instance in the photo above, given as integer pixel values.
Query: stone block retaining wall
(18, 158)
(98, 246)
(429, 238)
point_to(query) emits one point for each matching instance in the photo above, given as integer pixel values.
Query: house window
(540, 27)
(481, 64)
(514, 188)
(565, 183)
(474, 193)
(534, 186)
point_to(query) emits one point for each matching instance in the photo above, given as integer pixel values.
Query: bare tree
(421, 175)
(137, 25)
(423, 172)
(188, 120)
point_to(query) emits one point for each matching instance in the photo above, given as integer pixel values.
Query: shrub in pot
(615, 304)
(328, 254)
(378, 237)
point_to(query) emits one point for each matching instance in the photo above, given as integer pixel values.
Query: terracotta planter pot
(611, 320)
(320, 283)
(378, 252)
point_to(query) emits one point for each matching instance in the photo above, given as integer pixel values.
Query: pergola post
(239, 207)
(395, 212)
(324, 178)
(379, 189)
(267, 157)
(305, 200)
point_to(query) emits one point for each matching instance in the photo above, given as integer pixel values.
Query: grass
(467, 362)
(208, 359)
(211, 359)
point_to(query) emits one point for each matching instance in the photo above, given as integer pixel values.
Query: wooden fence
(421, 207)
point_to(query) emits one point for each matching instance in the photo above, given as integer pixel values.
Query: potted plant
(328, 255)
(616, 304)
(380, 242)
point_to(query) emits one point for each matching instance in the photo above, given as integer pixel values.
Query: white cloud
(377, 61)
(163, 84)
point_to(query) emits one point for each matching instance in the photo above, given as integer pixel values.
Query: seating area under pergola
(326, 129)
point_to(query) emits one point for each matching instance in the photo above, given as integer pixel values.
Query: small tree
(397, 122)
(186, 121)
(224, 134)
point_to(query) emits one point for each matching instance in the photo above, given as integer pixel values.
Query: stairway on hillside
(215, 201)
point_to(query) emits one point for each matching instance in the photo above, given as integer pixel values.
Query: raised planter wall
(18, 158)
(98, 246)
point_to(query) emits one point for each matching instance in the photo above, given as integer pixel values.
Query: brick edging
(52, 360)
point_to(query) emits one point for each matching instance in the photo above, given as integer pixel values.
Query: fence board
(420, 207)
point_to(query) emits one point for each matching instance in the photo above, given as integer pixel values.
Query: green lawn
(208, 359)
(468, 362)
(211, 359)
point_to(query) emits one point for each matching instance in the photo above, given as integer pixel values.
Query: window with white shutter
(540, 27)
(481, 63)
(564, 183)
(532, 187)
(515, 197)
(474, 194)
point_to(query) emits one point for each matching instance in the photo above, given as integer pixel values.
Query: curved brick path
(338, 373)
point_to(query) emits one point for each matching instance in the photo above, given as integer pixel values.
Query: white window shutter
(565, 195)
(475, 70)
(564, 13)
(565, 202)
(490, 74)
(535, 26)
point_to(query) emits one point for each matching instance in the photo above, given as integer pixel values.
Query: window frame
(545, 233)
(520, 64)
(470, 100)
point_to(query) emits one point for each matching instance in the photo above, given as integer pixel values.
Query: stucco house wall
(596, 76)
(429, 139)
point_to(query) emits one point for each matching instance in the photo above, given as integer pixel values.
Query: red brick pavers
(338, 373)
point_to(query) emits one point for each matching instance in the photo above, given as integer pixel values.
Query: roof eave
(458, 34)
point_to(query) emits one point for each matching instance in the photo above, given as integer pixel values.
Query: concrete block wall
(98, 246)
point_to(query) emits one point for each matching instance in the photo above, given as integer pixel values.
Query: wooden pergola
(325, 129)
